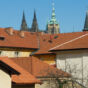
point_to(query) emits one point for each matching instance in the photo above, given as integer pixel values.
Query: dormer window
(55, 37)
(2, 38)
(16, 54)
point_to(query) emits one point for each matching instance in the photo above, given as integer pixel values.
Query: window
(16, 54)
(2, 38)
(55, 37)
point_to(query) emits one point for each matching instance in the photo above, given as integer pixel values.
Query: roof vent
(50, 41)
(55, 37)
(2, 38)
(9, 30)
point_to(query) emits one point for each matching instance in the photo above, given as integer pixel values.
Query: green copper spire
(86, 22)
(53, 17)
(52, 26)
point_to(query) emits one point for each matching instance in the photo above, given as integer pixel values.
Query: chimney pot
(22, 34)
(9, 30)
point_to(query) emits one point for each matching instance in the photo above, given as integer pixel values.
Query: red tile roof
(24, 77)
(80, 42)
(29, 40)
(38, 68)
(56, 39)
(44, 42)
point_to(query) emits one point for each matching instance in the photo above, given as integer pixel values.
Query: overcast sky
(69, 13)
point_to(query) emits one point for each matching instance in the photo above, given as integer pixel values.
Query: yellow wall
(5, 79)
(50, 59)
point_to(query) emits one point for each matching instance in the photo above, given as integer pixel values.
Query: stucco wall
(13, 53)
(23, 86)
(75, 62)
(5, 79)
(47, 83)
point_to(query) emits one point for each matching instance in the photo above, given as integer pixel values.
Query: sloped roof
(42, 42)
(24, 77)
(80, 42)
(28, 41)
(48, 41)
(38, 68)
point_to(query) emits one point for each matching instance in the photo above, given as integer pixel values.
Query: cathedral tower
(86, 22)
(24, 24)
(34, 27)
(53, 26)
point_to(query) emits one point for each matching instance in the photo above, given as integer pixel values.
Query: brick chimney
(22, 34)
(9, 30)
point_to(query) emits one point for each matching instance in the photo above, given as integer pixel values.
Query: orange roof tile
(29, 40)
(24, 77)
(38, 68)
(80, 42)
(56, 39)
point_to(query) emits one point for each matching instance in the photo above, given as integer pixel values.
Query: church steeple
(24, 24)
(34, 24)
(52, 25)
(86, 22)
(53, 18)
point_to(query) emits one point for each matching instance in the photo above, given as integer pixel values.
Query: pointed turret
(34, 24)
(86, 22)
(24, 24)
(52, 25)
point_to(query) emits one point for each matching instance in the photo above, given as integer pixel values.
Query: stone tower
(34, 27)
(86, 22)
(52, 26)
(24, 24)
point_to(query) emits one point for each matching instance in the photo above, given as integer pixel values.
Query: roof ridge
(69, 41)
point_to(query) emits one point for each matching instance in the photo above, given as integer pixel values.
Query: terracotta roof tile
(38, 68)
(24, 77)
(77, 43)
(29, 40)
(56, 39)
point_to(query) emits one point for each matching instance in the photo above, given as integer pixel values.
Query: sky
(69, 13)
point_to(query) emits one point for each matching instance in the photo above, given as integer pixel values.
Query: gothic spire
(24, 24)
(34, 24)
(86, 22)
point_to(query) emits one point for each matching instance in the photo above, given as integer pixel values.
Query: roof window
(2, 38)
(50, 41)
(55, 37)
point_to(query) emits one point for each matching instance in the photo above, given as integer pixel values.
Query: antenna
(73, 28)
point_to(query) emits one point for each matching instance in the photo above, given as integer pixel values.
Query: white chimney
(22, 34)
(9, 30)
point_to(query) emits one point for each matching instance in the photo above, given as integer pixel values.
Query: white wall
(5, 80)
(75, 62)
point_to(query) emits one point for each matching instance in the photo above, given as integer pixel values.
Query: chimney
(22, 34)
(9, 30)
(42, 33)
